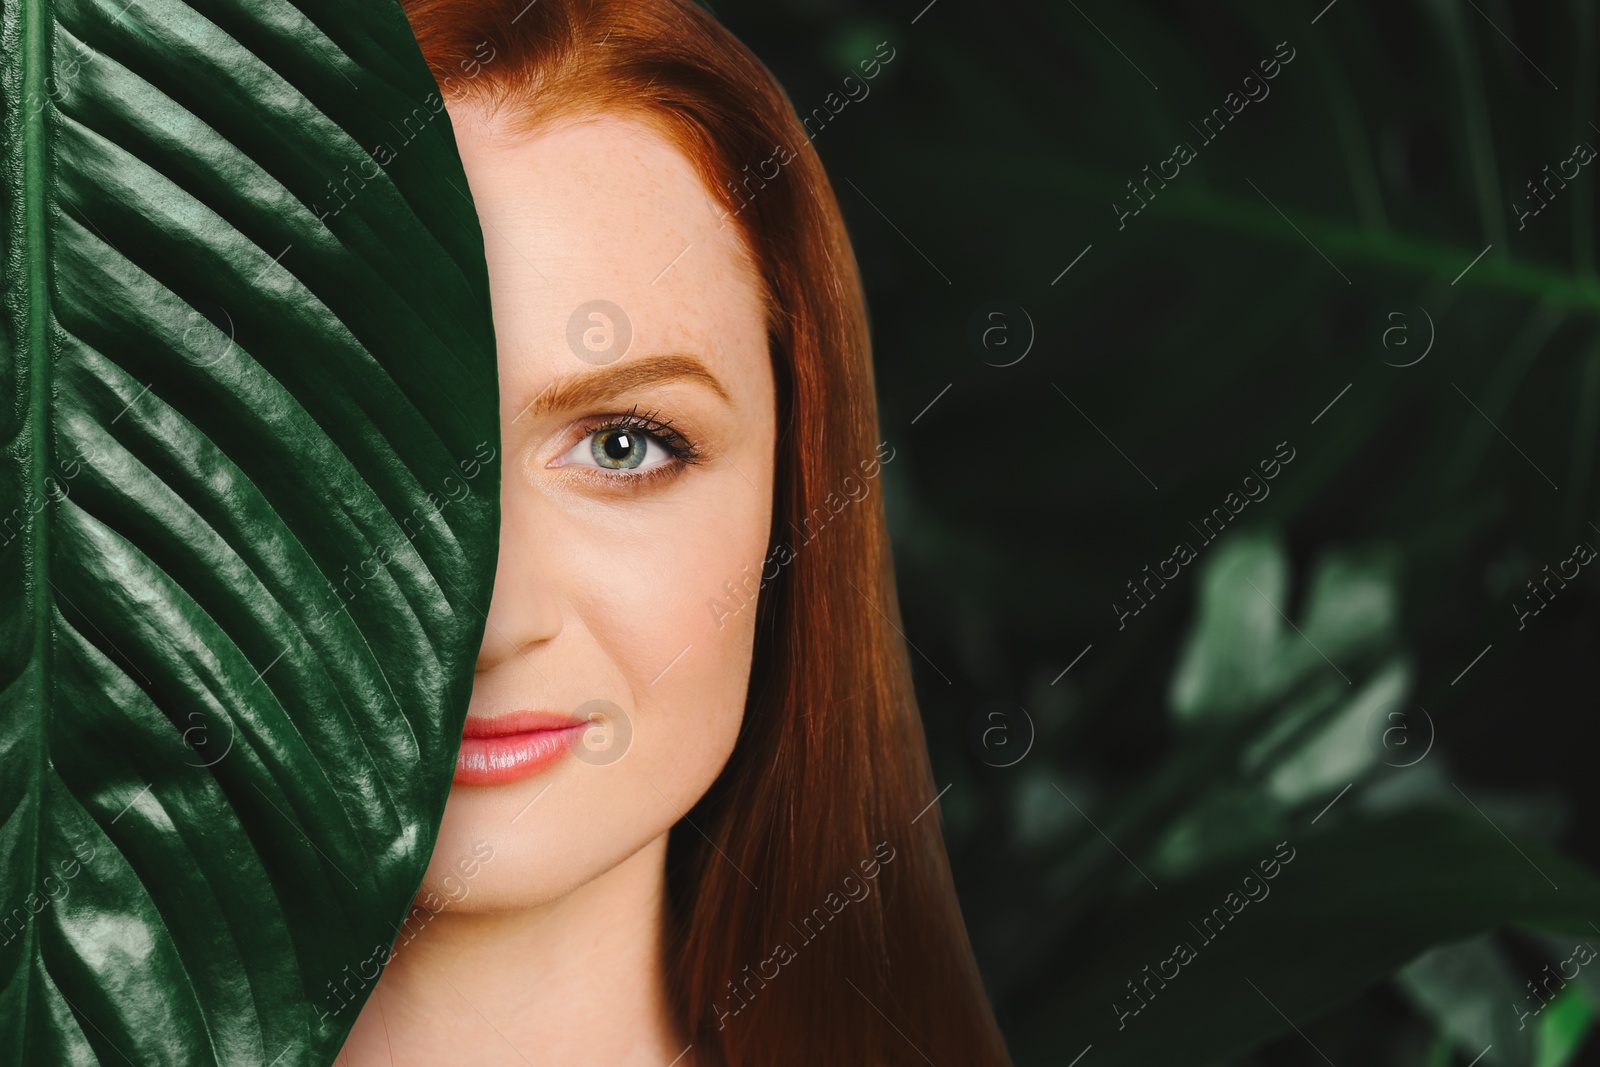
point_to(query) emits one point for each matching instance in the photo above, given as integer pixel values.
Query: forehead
(604, 209)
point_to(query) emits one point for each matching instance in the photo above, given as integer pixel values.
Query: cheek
(679, 641)
(676, 617)
(641, 626)
(682, 606)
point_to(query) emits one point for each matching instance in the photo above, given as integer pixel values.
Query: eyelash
(684, 452)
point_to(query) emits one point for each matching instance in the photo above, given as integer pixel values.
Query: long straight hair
(813, 919)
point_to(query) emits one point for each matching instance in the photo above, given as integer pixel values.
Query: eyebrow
(596, 387)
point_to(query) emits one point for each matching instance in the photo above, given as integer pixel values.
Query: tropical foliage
(1225, 230)
(251, 491)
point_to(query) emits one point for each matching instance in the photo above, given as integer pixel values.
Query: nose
(524, 612)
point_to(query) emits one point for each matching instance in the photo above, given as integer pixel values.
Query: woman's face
(616, 291)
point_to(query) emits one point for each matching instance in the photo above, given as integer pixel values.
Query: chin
(534, 842)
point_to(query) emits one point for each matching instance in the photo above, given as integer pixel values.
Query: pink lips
(510, 747)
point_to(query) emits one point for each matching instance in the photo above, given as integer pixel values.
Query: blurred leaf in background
(1374, 250)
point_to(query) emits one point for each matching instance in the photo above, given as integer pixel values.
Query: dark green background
(987, 156)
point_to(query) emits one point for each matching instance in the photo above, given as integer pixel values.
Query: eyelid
(581, 453)
(682, 448)
(679, 441)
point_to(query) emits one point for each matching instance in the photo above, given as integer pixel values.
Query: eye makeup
(623, 447)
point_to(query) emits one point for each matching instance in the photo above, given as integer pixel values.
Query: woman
(691, 820)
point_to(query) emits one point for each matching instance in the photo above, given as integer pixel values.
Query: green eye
(620, 449)
(633, 445)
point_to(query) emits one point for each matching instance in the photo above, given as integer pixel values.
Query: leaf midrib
(35, 55)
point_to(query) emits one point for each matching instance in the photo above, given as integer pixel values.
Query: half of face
(637, 436)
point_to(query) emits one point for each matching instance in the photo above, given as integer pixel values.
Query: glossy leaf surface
(249, 492)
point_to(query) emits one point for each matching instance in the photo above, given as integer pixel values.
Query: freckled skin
(599, 589)
(601, 593)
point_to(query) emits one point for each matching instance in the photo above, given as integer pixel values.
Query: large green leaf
(250, 488)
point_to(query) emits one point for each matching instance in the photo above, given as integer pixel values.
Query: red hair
(824, 788)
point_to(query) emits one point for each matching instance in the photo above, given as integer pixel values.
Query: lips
(517, 745)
